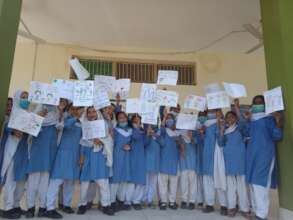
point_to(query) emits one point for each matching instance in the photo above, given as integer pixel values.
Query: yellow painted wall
(52, 63)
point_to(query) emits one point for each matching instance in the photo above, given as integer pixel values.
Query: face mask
(258, 108)
(212, 116)
(122, 124)
(24, 103)
(202, 119)
(135, 125)
(169, 123)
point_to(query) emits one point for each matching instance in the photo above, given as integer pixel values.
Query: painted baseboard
(286, 214)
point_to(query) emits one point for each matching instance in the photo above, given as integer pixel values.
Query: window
(138, 71)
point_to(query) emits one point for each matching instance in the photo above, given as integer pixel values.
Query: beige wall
(52, 62)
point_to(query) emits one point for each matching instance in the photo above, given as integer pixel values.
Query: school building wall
(52, 63)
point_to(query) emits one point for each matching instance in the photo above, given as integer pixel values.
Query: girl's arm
(69, 122)
(274, 124)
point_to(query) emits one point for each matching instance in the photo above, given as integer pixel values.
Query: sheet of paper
(65, 88)
(167, 98)
(80, 72)
(148, 92)
(235, 90)
(43, 93)
(83, 93)
(186, 121)
(148, 107)
(122, 87)
(218, 100)
(212, 87)
(26, 122)
(106, 83)
(101, 98)
(133, 106)
(93, 129)
(150, 118)
(274, 100)
(167, 77)
(195, 102)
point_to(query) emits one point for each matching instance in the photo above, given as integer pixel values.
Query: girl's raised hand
(17, 134)
(278, 118)
(247, 115)
(43, 113)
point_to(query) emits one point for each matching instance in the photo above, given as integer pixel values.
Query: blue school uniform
(66, 165)
(152, 155)
(94, 165)
(199, 153)
(188, 160)
(20, 160)
(121, 157)
(137, 155)
(169, 154)
(261, 151)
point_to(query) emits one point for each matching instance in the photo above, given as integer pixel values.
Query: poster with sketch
(186, 121)
(212, 87)
(80, 72)
(64, 87)
(26, 122)
(167, 77)
(150, 118)
(122, 87)
(148, 92)
(101, 98)
(167, 98)
(106, 83)
(195, 102)
(140, 106)
(218, 100)
(83, 93)
(43, 93)
(235, 90)
(93, 129)
(274, 100)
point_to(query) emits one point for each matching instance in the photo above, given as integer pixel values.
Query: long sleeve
(276, 133)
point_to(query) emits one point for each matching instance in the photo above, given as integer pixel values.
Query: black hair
(258, 97)
(135, 116)
(232, 113)
(9, 99)
(119, 113)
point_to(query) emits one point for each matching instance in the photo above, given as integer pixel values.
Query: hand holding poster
(80, 71)
(235, 90)
(186, 121)
(106, 83)
(122, 87)
(167, 77)
(93, 129)
(26, 122)
(195, 102)
(101, 98)
(274, 100)
(218, 100)
(83, 93)
(64, 88)
(148, 92)
(43, 93)
(167, 98)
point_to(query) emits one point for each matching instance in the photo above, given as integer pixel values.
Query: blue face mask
(212, 116)
(257, 108)
(170, 123)
(123, 124)
(24, 103)
(202, 119)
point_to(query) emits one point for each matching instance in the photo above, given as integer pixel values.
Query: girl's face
(92, 114)
(230, 119)
(24, 95)
(9, 106)
(122, 118)
(62, 104)
(258, 101)
(136, 120)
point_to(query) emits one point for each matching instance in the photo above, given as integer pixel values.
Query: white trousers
(53, 192)
(13, 191)
(138, 193)
(123, 192)
(151, 187)
(92, 192)
(210, 192)
(188, 186)
(37, 183)
(199, 190)
(104, 188)
(236, 186)
(167, 186)
(260, 196)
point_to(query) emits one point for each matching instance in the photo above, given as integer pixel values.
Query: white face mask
(136, 125)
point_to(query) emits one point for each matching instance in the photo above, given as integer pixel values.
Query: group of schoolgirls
(231, 158)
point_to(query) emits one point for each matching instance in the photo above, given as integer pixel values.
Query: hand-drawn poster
(122, 87)
(167, 77)
(106, 83)
(218, 100)
(83, 93)
(43, 93)
(195, 102)
(235, 90)
(150, 118)
(93, 129)
(65, 88)
(167, 98)
(148, 92)
(274, 100)
(80, 71)
(101, 99)
(186, 121)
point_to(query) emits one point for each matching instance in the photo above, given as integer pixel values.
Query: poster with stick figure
(122, 87)
(83, 93)
(43, 93)
(167, 98)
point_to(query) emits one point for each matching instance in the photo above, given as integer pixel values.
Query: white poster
(122, 87)
(235, 90)
(274, 100)
(218, 100)
(212, 87)
(83, 93)
(93, 129)
(64, 87)
(79, 70)
(195, 102)
(106, 83)
(133, 106)
(43, 93)
(101, 99)
(148, 92)
(150, 118)
(167, 77)
(167, 98)
(186, 121)
(26, 122)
